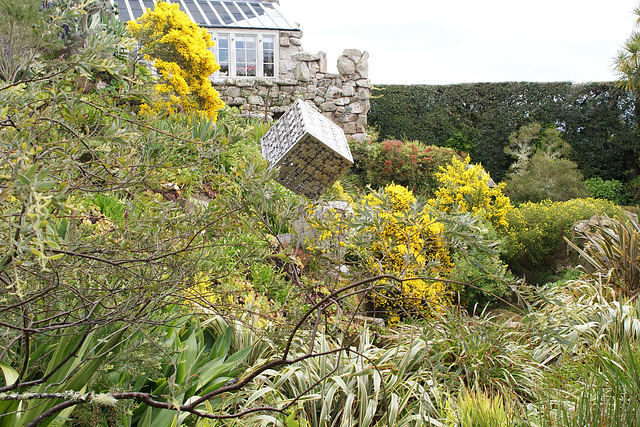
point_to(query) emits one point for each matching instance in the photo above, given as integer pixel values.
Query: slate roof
(252, 14)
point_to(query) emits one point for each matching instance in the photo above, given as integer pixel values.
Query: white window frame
(232, 33)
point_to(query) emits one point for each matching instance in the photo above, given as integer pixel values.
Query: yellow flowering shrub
(467, 187)
(404, 241)
(179, 50)
(329, 228)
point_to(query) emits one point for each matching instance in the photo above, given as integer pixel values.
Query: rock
(346, 66)
(362, 66)
(302, 73)
(305, 56)
(255, 100)
(348, 90)
(363, 94)
(233, 92)
(263, 81)
(358, 107)
(333, 92)
(349, 128)
(354, 54)
(295, 42)
(328, 106)
(244, 82)
(322, 62)
(364, 83)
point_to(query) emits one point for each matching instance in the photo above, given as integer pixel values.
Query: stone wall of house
(342, 97)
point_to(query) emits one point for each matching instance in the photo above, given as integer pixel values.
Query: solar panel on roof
(149, 4)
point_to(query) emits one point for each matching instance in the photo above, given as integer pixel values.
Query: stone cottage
(263, 67)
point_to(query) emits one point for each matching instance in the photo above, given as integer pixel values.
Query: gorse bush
(410, 164)
(179, 50)
(533, 244)
(468, 188)
(398, 237)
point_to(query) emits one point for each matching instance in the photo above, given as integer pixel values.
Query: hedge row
(597, 119)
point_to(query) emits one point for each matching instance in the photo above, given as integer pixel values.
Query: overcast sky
(462, 41)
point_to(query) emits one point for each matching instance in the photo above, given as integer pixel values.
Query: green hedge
(597, 119)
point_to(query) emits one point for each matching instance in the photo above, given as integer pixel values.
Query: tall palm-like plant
(627, 66)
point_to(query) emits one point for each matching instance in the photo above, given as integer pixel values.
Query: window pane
(226, 18)
(269, 70)
(234, 11)
(223, 54)
(268, 57)
(251, 56)
(267, 42)
(195, 12)
(251, 42)
(247, 10)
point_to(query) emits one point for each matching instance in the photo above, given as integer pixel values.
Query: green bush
(546, 178)
(610, 189)
(410, 164)
(533, 243)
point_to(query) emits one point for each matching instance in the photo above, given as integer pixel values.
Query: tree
(626, 64)
(178, 49)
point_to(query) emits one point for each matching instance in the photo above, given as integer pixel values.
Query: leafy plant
(545, 178)
(612, 251)
(203, 363)
(533, 244)
(410, 164)
(611, 189)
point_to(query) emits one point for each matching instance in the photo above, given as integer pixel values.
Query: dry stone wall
(343, 97)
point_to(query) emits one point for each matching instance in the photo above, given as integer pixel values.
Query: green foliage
(412, 164)
(611, 189)
(476, 409)
(482, 277)
(612, 250)
(533, 245)
(596, 119)
(545, 178)
(203, 363)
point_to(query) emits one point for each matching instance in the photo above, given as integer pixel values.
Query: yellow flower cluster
(467, 188)
(180, 52)
(406, 242)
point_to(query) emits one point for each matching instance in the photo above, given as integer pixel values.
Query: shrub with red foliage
(410, 164)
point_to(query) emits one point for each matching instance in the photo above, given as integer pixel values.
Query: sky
(469, 41)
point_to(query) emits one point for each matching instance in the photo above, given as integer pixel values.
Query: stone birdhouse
(310, 150)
